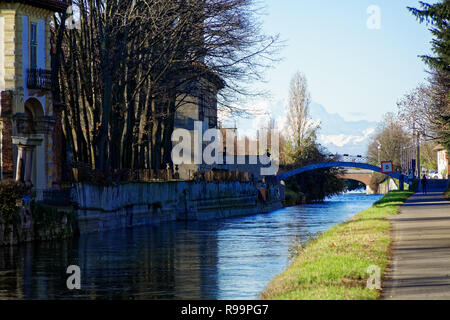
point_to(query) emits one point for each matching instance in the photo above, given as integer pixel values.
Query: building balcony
(40, 79)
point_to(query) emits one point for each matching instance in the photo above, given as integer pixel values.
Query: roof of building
(52, 5)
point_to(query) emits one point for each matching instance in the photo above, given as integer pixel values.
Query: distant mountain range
(336, 134)
(339, 135)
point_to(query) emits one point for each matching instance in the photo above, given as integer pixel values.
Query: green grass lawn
(334, 265)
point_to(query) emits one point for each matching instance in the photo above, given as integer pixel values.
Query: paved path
(420, 266)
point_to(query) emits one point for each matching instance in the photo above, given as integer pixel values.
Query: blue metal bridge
(349, 162)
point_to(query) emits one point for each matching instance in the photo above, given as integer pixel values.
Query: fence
(86, 174)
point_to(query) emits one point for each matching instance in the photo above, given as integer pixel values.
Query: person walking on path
(424, 184)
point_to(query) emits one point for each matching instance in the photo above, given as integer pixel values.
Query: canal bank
(335, 264)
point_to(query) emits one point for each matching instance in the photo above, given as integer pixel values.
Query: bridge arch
(363, 178)
(311, 167)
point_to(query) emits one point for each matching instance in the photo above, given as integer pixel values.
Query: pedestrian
(424, 184)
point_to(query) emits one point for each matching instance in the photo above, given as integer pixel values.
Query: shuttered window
(33, 45)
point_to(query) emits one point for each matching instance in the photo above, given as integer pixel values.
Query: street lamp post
(418, 156)
(416, 134)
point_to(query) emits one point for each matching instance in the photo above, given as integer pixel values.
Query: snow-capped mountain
(339, 135)
(336, 134)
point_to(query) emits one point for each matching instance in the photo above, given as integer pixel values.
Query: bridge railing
(347, 158)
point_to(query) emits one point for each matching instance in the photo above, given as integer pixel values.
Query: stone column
(25, 164)
(21, 158)
(26, 147)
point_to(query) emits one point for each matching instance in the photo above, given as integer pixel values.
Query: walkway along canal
(219, 259)
(421, 250)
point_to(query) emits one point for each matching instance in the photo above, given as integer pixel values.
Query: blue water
(221, 259)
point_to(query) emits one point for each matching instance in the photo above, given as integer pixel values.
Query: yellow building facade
(26, 106)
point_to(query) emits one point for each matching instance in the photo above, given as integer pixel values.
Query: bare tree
(301, 132)
(391, 137)
(128, 68)
(427, 109)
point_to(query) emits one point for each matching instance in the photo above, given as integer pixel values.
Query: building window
(33, 45)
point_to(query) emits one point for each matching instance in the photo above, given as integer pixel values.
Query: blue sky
(352, 70)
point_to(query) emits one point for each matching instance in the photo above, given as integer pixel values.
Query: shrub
(48, 222)
(11, 192)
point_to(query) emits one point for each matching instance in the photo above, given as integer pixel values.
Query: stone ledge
(27, 141)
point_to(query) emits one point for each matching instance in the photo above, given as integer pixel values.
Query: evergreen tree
(438, 16)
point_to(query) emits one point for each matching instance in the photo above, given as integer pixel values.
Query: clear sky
(352, 70)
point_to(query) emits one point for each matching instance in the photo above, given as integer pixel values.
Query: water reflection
(222, 259)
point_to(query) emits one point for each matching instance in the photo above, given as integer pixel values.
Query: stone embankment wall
(102, 208)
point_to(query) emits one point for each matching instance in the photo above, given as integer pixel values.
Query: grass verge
(334, 265)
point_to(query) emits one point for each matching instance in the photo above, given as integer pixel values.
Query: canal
(222, 259)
